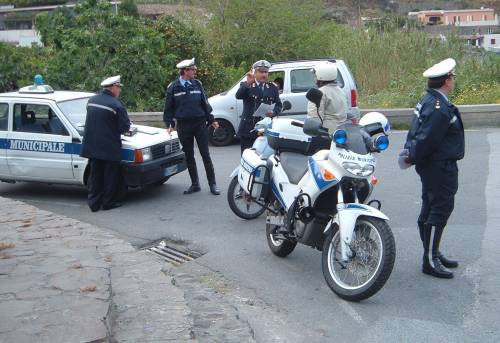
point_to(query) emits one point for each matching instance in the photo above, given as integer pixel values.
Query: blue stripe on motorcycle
(318, 178)
(277, 194)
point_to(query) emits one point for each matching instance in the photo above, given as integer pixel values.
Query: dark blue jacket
(252, 98)
(184, 103)
(436, 132)
(106, 120)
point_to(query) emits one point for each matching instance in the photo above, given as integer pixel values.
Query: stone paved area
(62, 280)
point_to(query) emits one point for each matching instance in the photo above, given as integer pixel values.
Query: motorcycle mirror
(312, 127)
(286, 105)
(314, 95)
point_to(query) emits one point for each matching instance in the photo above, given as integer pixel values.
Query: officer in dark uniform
(255, 91)
(187, 102)
(434, 144)
(106, 120)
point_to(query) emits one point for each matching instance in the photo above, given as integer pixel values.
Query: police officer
(187, 102)
(255, 91)
(333, 107)
(106, 120)
(434, 143)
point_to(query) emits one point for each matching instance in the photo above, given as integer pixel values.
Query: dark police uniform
(106, 120)
(253, 95)
(189, 105)
(435, 142)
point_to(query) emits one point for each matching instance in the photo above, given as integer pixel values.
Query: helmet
(325, 71)
(376, 117)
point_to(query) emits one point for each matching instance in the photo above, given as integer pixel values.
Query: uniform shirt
(106, 120)
(333, 107)
(185, 101)
(436, 132)
(252, 97)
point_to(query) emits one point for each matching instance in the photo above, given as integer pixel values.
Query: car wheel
(225, 134)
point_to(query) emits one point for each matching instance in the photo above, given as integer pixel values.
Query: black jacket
(436, 132)
(106, 120)
(184, 103)
(252, 98)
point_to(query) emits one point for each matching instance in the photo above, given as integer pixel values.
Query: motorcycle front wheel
(366, 272)
(241, 203)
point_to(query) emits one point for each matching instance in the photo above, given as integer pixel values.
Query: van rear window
(301, 80)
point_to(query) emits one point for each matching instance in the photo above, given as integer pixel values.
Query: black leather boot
(214, 189)
(431, 263)
(444, 260)
(195, 183)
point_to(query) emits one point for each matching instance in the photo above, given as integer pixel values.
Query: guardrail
(472, 116)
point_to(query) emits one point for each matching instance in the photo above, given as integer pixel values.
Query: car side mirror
(312, 127)
(286, 105)
(314, 95)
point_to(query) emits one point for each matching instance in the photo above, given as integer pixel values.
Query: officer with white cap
(434, 143)
(107, 119)
(187, 103)
(255, 91)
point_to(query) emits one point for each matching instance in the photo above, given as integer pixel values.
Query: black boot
(195, 183)
(214, 189)
(445, 261)
(431, 263)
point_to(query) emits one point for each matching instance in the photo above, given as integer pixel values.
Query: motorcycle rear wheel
(241, 203)
(279, 247)
(370, 267)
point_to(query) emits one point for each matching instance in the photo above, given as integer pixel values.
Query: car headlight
(356, 169)
(142, 155)
(146, 154)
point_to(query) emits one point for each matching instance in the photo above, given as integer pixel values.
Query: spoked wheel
(365, 273)
(241, 203)
(279, 245)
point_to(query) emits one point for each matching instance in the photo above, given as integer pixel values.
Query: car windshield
(75, 111)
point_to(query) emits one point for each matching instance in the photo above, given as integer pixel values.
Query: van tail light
(138, 156)
(354, 98)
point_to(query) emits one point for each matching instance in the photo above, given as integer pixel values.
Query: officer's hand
(269, 114)
(215, 125)
(169, 130)
(250, 77)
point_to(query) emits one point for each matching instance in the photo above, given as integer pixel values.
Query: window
(493, 41)
(278, 78)
(303, 79)
(4, 116)
(37, 119)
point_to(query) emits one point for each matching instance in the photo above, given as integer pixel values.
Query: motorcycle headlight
(356, 169)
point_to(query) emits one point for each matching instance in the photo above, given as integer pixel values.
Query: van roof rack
(331, 59)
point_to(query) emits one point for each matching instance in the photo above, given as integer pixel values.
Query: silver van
(295, 79)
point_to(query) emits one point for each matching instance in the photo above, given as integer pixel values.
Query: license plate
(170, 170)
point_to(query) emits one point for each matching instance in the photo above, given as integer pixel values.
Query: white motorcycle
(322, 201)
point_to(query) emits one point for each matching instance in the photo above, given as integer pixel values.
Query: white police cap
(262, 64)
(111, 81)
(186, 64)
(440, 69)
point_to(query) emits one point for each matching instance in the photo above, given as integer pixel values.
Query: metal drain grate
(174, 254)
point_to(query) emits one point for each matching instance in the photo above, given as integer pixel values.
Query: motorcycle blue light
(382, 143)
(340, 137)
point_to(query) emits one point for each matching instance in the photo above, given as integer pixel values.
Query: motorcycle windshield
(356, 139)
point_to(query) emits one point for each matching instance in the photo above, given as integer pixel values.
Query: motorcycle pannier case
(283, 136)
(253, 176)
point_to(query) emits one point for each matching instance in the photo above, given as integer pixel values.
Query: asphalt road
(292, 301)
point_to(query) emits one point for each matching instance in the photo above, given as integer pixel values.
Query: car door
(39, 144)
(4, 131)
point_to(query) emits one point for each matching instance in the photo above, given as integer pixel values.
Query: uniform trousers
(439, 186)
(189, 130)
(103, 181)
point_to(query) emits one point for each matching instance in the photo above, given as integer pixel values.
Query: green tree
(128, 7)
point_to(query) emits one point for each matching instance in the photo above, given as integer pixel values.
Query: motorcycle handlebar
(297, 123)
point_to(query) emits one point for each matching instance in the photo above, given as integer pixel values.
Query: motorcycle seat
(295, 165)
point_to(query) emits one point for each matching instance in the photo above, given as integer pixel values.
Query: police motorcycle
(322, 201)
(241, 202)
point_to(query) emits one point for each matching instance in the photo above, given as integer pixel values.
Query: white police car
(41, 134)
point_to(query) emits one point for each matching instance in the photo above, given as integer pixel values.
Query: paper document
(263, 109)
